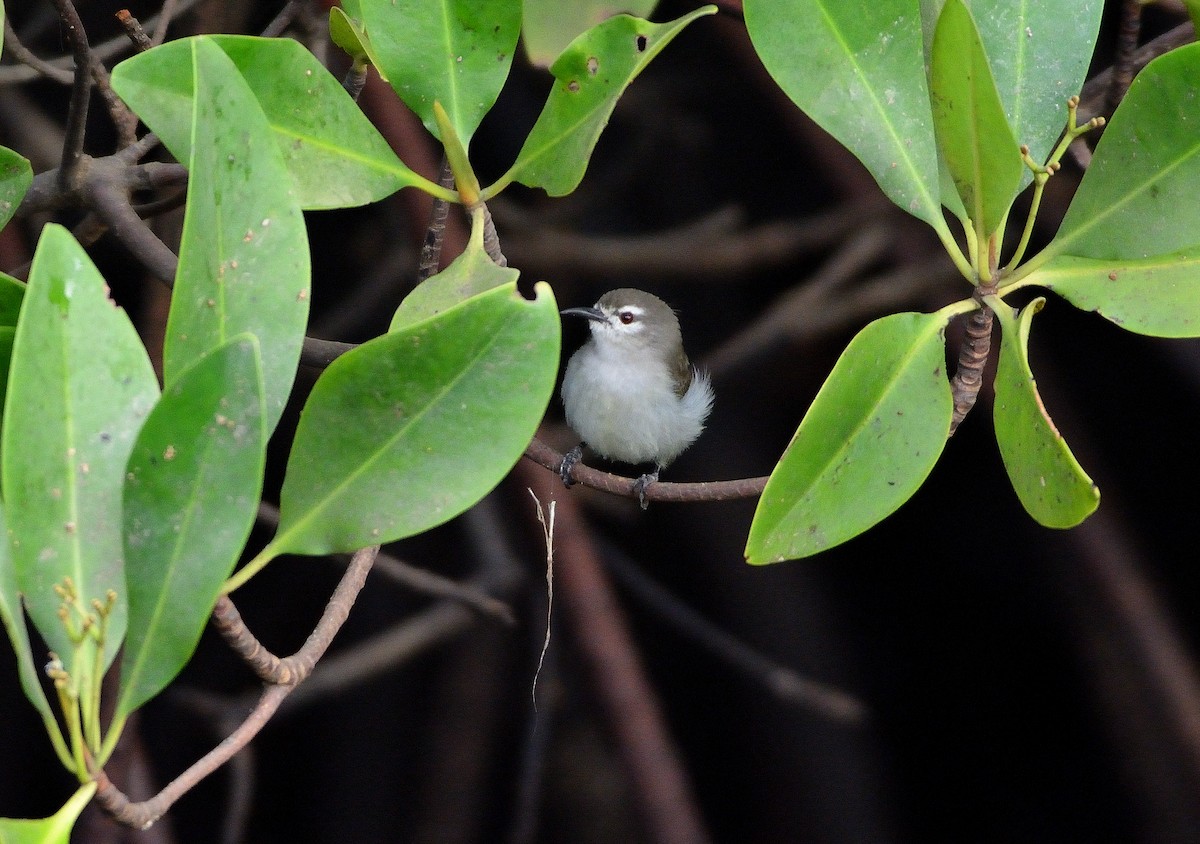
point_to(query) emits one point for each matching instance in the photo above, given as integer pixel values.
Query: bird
(630, 391)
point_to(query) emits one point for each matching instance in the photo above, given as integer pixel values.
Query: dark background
(1019, 683)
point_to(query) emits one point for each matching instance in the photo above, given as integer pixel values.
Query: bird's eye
(626, 317)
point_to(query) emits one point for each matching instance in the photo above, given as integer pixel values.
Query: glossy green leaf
(457, 52)
(858, 70)
(335, 157)
(1159, 296)
(412, 428)
(12, 614)
(589, 78)
(16, 175)
(12, 293)
(1138, 197)
(1047, 478)
(79, 389)
(243, 262)
(1039, 55)
(869, 440)
(191, 495)
(972, 132)
(471, 273)
(55, 829)
(548, 26)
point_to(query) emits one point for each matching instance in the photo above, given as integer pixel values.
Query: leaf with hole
(549, 26)
(335, 158)
(243, 261)
(410, 429)
(1047, 478)
(79, 388)
(589, 78)
(869, 440)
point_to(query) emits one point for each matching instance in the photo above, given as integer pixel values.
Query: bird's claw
(640, 486)
(569, 460)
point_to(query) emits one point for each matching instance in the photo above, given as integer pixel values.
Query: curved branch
(544, 455)
(81, 91)
(295, 668)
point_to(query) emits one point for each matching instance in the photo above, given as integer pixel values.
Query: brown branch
(544, 455)
(294, 668)
(972, 358)
(1128, 30)
(431, 248)
(81, 90)
(14, 48)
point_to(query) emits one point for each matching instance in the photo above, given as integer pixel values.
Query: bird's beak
(594, 314)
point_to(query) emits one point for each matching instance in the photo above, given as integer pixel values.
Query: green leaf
(1159, 296)
(335, 157)
(243, 262)
(347, 34)
(1138, 197)
(550, 25)
(858, 70)
(972, 132)
(589, 78)
(13, 616)
(471, 273)
(191, 495)
(16, 175)
(55, 829)
(12, 293)
(869, 440)
(457, 52)
(78, 391)
(1039, 55)
(412, 428)
(1052, 486)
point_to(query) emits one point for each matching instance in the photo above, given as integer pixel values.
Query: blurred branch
(291, 671)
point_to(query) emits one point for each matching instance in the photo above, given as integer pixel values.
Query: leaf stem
(251, 568)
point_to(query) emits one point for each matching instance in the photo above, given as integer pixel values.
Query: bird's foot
(641, 484)
(569, 460)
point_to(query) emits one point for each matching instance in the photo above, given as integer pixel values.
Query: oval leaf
(869, 440)
(1047, 478)
(1138, 197)
(78, 391)
(589, 78)
(457, 52)
(412, 428)
(471, 273)
(16, 175)
(190, 498)
(13, 616)
(868, 91)
(243, 261)
(335, 157)
(972, 131)
(1158, 296)
(549, 25)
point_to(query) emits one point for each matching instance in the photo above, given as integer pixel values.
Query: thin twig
(14, 48)
(1129, 29)
(544, 455)
(298, 666)
(81, 89)
(431, 249)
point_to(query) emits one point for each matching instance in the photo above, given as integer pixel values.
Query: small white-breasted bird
(630, 391)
